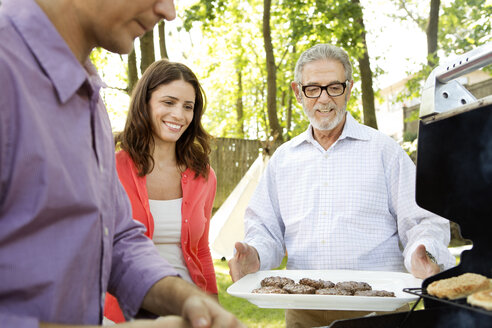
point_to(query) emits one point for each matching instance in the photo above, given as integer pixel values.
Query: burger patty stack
(283, 285)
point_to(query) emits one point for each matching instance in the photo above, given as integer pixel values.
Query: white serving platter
(390, 281)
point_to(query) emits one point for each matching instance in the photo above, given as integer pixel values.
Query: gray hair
(320, 52)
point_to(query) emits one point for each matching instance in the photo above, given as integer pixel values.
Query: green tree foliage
(112, 69)
(235, 45)
(463, 25)
(231, 65)
(104, 62)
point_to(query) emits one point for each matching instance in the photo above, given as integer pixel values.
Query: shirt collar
(354, 129)
(48, 47)
(351, 130)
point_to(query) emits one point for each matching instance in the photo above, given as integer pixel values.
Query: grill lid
(454, 169)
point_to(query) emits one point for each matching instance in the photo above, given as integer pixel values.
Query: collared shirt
(66, 233)
(348, 207)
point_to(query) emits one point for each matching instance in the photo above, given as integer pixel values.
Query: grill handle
(441, 92)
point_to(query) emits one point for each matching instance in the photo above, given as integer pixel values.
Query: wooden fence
(231, 159)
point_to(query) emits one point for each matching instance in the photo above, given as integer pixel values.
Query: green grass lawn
(251, 315)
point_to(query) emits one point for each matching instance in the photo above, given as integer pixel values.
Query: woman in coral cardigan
(164, 167)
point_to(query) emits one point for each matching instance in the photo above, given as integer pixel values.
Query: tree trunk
(132, 72)
(289, 106)
(147, 51)
(289, 115)
(239, 104)
(431, 31)
(275, 129)
(368, 107)
(162, 39)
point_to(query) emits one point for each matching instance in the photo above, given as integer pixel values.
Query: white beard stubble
(326, 124)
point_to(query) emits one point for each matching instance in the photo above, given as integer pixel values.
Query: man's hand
(422, 266)
(204, 312)
(245, 261)
(173, 295)
(198, 312)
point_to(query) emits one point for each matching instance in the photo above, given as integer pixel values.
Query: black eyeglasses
(334, 89)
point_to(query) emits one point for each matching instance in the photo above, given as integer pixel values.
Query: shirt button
(189, 258)
(106, 231)
(184, 176)
(101, 168)
(186, 220)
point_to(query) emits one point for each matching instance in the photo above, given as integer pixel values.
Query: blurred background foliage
(244, 53)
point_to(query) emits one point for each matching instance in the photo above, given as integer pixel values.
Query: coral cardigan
(198, 198)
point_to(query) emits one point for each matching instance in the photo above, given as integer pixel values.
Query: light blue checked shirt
(349, 207)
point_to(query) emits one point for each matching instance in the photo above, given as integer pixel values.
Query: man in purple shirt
(66, 232)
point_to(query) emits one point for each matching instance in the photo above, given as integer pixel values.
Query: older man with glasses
(341, 195)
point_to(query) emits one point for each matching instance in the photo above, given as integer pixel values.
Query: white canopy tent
(227, 224)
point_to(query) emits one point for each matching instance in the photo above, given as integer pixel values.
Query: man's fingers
(234, 269)
(172, 321)
(419, 256)
(205, 313)
(244, 261)
(197, 314)
(240, 248)
(422, 266)
(245, 254)
(235, 263)
(420, 252)
(227, 321)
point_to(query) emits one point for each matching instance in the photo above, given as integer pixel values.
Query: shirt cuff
(408, 256)
(132, 300)
(265, 258)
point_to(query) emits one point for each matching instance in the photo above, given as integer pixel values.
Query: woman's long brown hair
(192, 148)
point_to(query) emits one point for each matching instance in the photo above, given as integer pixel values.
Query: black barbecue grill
(454, 180)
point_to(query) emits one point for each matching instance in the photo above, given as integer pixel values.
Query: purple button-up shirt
(66, 233)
